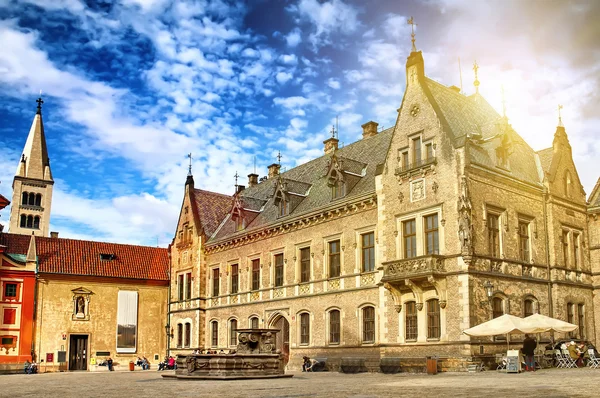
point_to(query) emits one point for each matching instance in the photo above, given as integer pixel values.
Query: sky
(131, 87)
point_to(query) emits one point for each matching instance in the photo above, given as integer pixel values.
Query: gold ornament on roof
(412, 24)
(476, 82)
(560, 123)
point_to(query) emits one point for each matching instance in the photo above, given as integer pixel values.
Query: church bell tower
(32, 185)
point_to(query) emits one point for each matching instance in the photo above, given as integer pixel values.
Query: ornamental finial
(412, 24)
(560, 123)
(476, 82)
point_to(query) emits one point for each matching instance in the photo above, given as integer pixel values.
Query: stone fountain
(256, 357)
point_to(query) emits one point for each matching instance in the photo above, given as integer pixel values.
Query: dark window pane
(180, 287)
(493, 235)
(279, 270)
(188, 286)
(409, 235)
(235, 278)
(304, 328)
(497, 307)
(433, 319)
(334, 327)
(368, 314)
(255, 274)
(431, 234)
(233, 333)
(334, 259)
(215, 280)
(368, 252)
(411, 321)
(305, 264)
(254, 323)
(215, 333)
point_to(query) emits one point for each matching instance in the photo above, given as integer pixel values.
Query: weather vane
(279, 157)
(412, 24)
(190, 166)
(560, 123)
(476, 82)
(236, 178)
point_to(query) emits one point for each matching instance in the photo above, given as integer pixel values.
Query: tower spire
(476, 82)
(190, 166)
(412, 24)
(560, 122)
(39, 105)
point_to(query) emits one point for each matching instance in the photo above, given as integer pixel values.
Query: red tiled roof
(212, 208)
(3, 202)
(82, 257)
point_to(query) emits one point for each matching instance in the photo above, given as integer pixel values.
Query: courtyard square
(544, 383)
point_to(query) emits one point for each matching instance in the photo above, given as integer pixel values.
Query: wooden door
(283, 337)
(78, 352)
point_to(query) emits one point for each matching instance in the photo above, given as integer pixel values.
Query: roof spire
(560, 123)
(190, 166)
(39, 104)
(476, 82)
(279, 157)
(412, 24)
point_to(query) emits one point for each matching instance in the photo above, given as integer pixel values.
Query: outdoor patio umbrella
(505, 324)
(538, 323)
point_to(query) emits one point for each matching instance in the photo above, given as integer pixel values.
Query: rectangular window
(278, 270)
(581, 318)
(334, 327)
(338, 190)
(215, 334)
(432, 240)
(571, 316)
(497, 307)
(433, 319)
(576, 250)
(127, 316)
(255, 274)
(416, 151)
(411, 321)
(10, 290)
(188, 334)
(215, 280)
(368, 314)
(233, 333)
(524, 241)
(368, 251)
(305, 264)
(528, 310)
(180, 287)
(409, 235)
(9, 316)
(235, 278)
(254, 323)
(429, 151)
(334, 258)
(493, 221)
(565, 243)
(304, 329)
(405, 162)
(284, 207)
(179, 335)
(188, 286)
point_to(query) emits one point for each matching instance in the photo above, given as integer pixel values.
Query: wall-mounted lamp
(169, 331)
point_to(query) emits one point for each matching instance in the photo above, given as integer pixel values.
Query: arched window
(368, 324)
(25, 198)
(411, 325)
(215, 333)
(254, 322)
(179, 335)
(38, 199)
(36, 222)
(29, 221)
(304, 328)
(23, 221)
(232, 332)
(334, 327)
(188, 334)
(433, 319)
(528, 307)
(497, 307)
(31, 199)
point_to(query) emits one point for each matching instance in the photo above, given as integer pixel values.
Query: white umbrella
(505, 324)
(538, 323)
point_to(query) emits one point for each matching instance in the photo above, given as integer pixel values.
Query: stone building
(594, 244)
(389, 246)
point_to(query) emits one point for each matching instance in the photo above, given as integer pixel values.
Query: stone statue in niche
(80, 307)
(465, 225)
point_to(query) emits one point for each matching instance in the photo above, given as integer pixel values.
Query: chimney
(331, 144)
(240, 188)
(252, 180)
(274, 170)
(54, 235)
(369, 129)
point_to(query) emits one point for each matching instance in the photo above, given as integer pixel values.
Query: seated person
(574, 353)
(308, 364)
(26, 366)
(145, 364)
(171, 363)
(138, 362)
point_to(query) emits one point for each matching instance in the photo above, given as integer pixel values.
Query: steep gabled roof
(101, 259)
(546, 159)
(211, 208)
(594, 200)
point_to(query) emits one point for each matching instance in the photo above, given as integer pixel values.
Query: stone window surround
(359, 316)
(260, 273)
(211, 330)
(298, 261)
(531, 231)
(571, 232)
(409, 150)
(184, 289)
(419, 217)
(421, 317)
(230, 330)
(535, 303)
(252, 316)
(183, 322)
(211, 281)
(231, 263)
(358, 266)
(502, 215)
(272, 254)
(326, 240)
(328, 325)
(299, 327)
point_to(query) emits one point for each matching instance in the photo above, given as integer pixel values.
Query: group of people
(168, 364)
(30, 367)
(578, 352)
(143, 362)
(308, 364)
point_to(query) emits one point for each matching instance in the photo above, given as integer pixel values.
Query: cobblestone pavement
(545, 383)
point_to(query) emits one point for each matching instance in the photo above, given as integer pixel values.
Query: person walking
(529, 345)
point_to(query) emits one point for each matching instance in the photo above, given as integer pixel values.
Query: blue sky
(130, 87)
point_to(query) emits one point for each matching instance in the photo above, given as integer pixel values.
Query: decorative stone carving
(419, 306)
(234, 299)
(401, 197)
(414, 111)
(367, 279)
(398, 307)
(277, 293)
(527, 270)
(465, 225)
(413, 266)
(254, 296)
(434, 187)
(443, 304)
(496, 266)
(304, 289)
(334, 284)
(417, 190)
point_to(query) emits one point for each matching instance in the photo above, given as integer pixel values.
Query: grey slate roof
(310, 177)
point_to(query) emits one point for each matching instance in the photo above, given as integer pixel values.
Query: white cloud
(294, 37)
(283, 77)
(288, 59)
(333, 83)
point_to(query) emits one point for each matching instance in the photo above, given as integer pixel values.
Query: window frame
(417, 149)
(235, 278)
(12, 296)
(434, 232)
(187, 335)
(411, 321)
(214, 330)
(581, 320)
(524, 235)
(409, 237)
(251, 321)
(334, 333)
(493, 233)
(333, 258)
(502, 309)
(571, 316)
(576, 249)
(180, 287)
(305, 274)
(179, 335)
(188, 285)
(370, 249)
(528, 302)
(255, 269)
(232, 333)
(566, 246)
(216, 281)
(434, 319)
(278, 270)
(304, 319)
(368, 325)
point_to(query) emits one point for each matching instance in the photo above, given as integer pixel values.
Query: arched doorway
(283, 337)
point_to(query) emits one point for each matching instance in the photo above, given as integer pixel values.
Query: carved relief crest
(417, 190)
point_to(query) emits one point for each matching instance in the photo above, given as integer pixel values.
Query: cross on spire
(236, 178)
(39, 105)
(279, 157)
(190, 166)
(560, 123)
(412, 24)
(476, 82)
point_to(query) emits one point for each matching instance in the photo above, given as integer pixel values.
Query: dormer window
(338, 189)
(240, 223)
(284, 207)
(107, 257)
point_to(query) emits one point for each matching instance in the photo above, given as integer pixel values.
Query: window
(334, 258)
(24, 198)
(29, 221)
(497, 307)
(232, 332)
(334, 327)
(188, 334)
(180, 287)
(10, 290)
(338, 189)
(409, 234)
(32, 199)
(10, 316)
(240, 223)
(188, 286)
(411, 321)
(528, 308)
(38, 199)
(278, 270)
(215, 333)
(429, 151)
(23, 221)
(368, 324)
(304, 328)
(405, 162)
(565, 244)
(215, 278)
(368, 252)
(571, 316)
(494, 234)
(305, 264)
(433, 319)
(576, 250)
(581, 318)
(235, 279)
(524, 241)
(254, 322)
(416, 151)
(284, 207)
(255, 274)
(127, 316)
(179, 335)
(432, 240)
